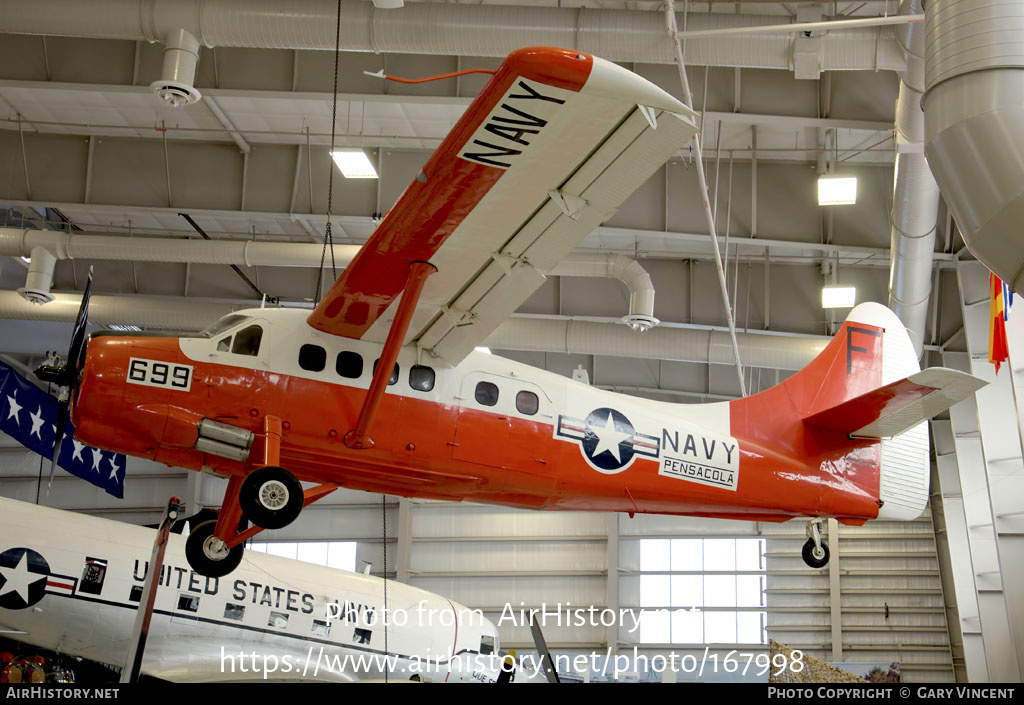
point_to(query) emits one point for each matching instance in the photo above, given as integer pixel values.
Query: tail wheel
(813, 556)
(207, 555)
(271, 497)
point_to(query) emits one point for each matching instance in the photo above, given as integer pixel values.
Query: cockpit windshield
(222, 325)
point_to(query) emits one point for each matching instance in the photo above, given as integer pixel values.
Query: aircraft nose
(100, 388)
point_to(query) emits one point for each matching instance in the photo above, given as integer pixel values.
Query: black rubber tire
(808, 554)
(278, 487)
(204, 563)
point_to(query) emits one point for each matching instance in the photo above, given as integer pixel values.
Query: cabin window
(93, 575)
(394, 372)
(136, 593)
(361, 636)
(278, 620)
(349, 364)
(486, 644)
(312, 358)
(527, 403)
(188, 603)
(486, 393)
(421, 378)
(321, 628)
(247, 341)
(224, 344)
(235, 612)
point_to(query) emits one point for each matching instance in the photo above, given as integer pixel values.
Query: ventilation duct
(915, 193)
(784, 352)
(455, 29)
(974, 124)
(254, 253)
(40, 276)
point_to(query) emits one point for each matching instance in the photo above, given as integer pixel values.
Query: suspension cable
(328, 237)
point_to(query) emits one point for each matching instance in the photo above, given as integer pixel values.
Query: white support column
(963, 592)
(991, 467)
(612, 601)
(835, 598)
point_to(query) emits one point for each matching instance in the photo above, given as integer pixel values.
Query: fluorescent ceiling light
(837, 190)
(354, 164)
(838, 296)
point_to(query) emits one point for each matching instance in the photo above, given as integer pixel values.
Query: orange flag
(998, 351)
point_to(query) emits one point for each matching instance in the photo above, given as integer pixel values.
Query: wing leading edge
(554, 143)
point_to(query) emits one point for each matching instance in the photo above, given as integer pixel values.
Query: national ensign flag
(1001, 296)
(29, 416)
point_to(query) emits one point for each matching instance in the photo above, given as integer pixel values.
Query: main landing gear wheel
(271, 497)
(814, 556)
(208, 555)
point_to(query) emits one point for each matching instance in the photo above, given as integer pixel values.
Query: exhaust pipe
(223, 440)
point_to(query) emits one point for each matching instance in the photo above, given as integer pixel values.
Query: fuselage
(489, 430)
(72, 583)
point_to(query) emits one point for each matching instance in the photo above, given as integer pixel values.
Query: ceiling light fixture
(837, 190)
(838, 296)
(354, 164)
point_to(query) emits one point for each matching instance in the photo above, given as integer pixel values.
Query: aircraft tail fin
(868, 383)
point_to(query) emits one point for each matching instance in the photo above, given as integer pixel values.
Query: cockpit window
(224, 344)
(222, 325)
(247, 341)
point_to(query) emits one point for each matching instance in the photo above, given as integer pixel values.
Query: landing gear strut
(208, 555)
(815, 552)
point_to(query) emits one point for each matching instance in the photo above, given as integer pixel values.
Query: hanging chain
(328, 238)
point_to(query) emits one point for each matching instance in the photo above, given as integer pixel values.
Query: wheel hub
(215, 549)
(273, 495)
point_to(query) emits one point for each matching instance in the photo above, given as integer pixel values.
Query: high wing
(551, 147)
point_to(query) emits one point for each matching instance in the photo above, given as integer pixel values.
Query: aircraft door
(481, 435)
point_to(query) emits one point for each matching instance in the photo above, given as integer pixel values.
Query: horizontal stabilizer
(897, 407)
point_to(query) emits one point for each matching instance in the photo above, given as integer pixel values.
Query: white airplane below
(72, 583)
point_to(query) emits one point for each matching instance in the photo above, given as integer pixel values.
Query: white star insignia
(19, 578)
(97, 458)
(116, 468)
(13, 408)
(37, 423)
(77, 454)
(608, 439)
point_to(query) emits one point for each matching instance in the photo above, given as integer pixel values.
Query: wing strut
(359, 437)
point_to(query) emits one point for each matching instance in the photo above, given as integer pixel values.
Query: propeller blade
(542, 648)
(74, 361)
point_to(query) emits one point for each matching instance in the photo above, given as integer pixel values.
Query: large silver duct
(974, 124)
(454, 29)
(518, 333)
(43, 246)
(915, 193)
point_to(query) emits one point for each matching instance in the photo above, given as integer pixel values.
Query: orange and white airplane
(380, 389)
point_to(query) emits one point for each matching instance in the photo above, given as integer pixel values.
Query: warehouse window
(333, 554)
(312, 358)
(349, 364)
(702, 591)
